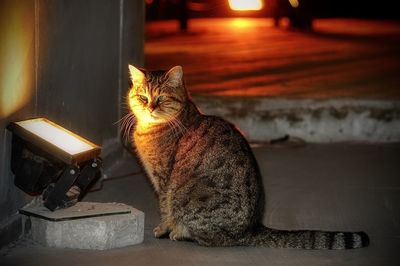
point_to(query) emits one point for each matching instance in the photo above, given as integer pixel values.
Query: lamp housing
(50, 160)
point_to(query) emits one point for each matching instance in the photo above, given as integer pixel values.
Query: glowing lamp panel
(56, 135)
(245, 5)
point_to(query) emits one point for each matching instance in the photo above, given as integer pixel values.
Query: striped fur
(206, 177)
(307, 239)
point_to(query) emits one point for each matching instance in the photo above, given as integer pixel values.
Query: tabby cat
(205, 175)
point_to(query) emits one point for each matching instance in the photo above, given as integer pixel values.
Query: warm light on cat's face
(151, 108)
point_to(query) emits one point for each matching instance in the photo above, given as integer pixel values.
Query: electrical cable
(285, 141)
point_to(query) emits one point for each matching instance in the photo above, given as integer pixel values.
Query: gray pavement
(332, 187)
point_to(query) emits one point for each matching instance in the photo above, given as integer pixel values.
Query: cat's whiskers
(176, 125)
(172, 127)
(128, 130)
(126, 124)
(168, 119)
(121, 120)
(125, 129)
(184, 128)
(179, 124)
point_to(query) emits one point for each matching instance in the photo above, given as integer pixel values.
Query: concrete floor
(331, 187)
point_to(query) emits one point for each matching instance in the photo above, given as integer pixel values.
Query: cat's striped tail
(306, 239)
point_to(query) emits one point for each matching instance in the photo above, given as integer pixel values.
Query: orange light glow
(245, 5)
(294, 3)
(241, 23)
(16, 57)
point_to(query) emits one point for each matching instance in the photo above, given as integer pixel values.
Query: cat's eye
(143, 98)
(161, 98)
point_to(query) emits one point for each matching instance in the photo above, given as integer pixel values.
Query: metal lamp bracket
(71, 183)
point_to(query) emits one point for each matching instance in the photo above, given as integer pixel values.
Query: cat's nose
(152, 106)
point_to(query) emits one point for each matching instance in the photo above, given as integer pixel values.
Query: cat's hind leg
(212, 216)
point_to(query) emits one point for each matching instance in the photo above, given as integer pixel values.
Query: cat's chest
(156, 154)
(154, 150)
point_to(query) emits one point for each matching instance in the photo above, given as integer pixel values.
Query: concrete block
(100, 231)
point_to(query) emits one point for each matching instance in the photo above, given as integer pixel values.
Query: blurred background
(318, 49)
(320, 70)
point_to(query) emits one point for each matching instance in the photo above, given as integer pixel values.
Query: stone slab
(104, 231)
(79, 211)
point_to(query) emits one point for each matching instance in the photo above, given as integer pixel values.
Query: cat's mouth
(155, 118)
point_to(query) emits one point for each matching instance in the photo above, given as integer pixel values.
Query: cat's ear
(137, 76)
(175, 76)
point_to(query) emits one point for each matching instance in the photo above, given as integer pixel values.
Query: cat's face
(156, 97)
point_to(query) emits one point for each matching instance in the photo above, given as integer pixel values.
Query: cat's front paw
(160, 231)
(175, 235)
(179, 232)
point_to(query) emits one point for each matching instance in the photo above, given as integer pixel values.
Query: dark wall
(65, 60)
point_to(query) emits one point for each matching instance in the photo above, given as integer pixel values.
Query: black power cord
(285, 141)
